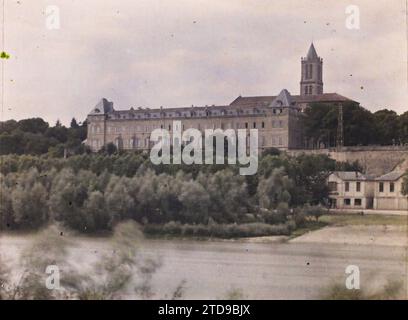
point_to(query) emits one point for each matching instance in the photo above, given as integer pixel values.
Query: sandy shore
(358, 235)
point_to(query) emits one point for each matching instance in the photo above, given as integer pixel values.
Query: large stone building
(277, 118)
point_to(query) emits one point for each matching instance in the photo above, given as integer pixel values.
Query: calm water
(261, 271)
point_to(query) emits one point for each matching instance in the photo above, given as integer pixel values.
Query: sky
(176, 53)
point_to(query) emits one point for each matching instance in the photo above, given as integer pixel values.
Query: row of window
(381, 187)
(347, 186)
(308, 90)
(189, 114)
(135, 142)
(357, 202)
(149, 128)
(333, 186)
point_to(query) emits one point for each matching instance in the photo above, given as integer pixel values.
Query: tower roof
(312, 54)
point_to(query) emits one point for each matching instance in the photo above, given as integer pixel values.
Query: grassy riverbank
(222, 231)
(254, 230)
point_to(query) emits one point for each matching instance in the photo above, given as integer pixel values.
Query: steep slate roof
(312, 54)
(240, 106)
(104, 106)
(267, 100)
(402, 166)
(352, 176)
(284, 99)
(391, 176)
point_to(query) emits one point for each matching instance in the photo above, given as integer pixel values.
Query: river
(211, 269)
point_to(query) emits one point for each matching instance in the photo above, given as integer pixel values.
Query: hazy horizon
(180, 53)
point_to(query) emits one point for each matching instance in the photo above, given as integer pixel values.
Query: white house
(388, 192)
(350, 190)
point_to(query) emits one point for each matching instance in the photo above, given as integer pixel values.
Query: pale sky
(171, 53)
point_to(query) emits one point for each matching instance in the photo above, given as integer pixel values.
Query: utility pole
(340, 133)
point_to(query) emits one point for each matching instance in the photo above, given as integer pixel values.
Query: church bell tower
(311, 82)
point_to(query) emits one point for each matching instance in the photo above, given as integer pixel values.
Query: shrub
(314, 211)
(226, 231)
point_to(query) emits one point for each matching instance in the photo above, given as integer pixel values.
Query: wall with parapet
(376, 160)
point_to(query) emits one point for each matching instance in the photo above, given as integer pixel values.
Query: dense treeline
(361, 127)
(93, 192)
(35, 136)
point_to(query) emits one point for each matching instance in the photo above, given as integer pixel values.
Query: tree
(33, 125)
(321, 123)
(30, 206)
(7, 218)
(386, 123)
(309, 174)
(271, 152)
(67, 197)
(196, 202)
(74, 124)
(99, 217)
(59, 133)
(313, 211)
(11, 143)
(274, 189)
(109, 149)
(403, 128)
(118, 200)
(8, 126)
(228, 195)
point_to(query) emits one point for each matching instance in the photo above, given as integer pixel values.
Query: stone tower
(311, 82)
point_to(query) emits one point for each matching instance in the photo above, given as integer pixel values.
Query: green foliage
(74, 124)
(313, 211)
(94, 192)
(306, 177)
(274, 189)
(34, 136)
(271, 152)
(225, 231)
(109, 149)
(347, 166)
(361, 127)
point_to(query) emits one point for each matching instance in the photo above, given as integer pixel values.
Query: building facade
(388, 192)
(354, 190)
(277, 118)
(351, 190)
